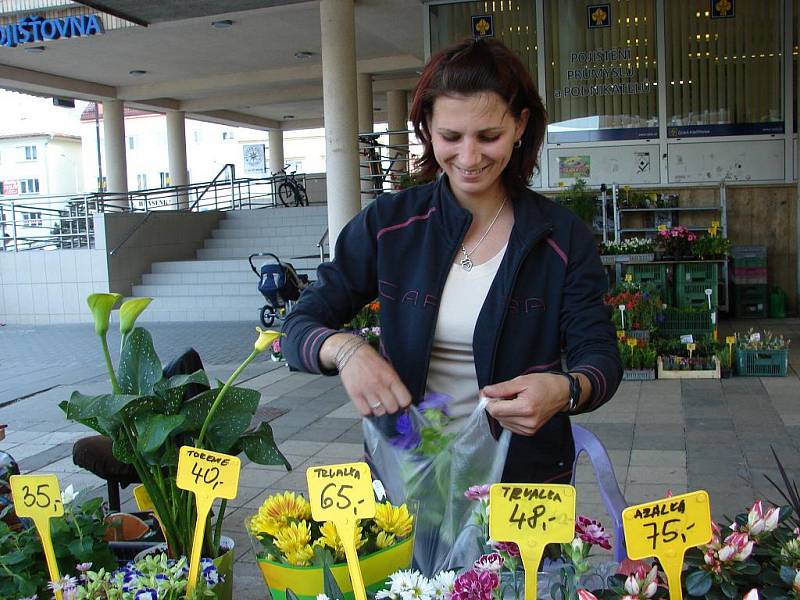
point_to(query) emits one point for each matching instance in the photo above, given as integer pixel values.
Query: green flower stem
(111, 374)
(218, 527)
(221, 395)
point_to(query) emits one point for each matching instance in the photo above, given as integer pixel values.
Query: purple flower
(477, 492)
(407, 438)
(592, 532)
(146, 594)
(509, 548)
(436, 401)
(475, 586)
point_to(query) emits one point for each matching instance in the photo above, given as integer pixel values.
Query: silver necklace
(466, 262)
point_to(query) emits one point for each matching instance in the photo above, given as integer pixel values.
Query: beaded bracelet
(347, 350)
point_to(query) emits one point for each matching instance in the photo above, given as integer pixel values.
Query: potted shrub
(78, 541)
(762, 354)
(675, 243)
(292, 549)
(580, 200)
(712, 245)
(638, 358)
(148, 418)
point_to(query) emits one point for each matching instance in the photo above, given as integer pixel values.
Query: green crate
(693, 295)
(677, 323)
(751, 301)
(748, 262)
(762, 363)
(653, 277)
(686, 273)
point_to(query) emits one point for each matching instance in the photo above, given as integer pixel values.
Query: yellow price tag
(38, 497)
(620, 334)
(691, 347)
(209, 475)
(666, 529)
(730, 340)
(633, 342)
(145, 504)
(532, 516)
(343, 494)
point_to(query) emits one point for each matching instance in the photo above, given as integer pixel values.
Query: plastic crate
(750, 263)
(751, 301)
(697, 273)
(677, 323)
(693, 295)
(638, 375)
(653, 277)
(749, 275)
(762, 363)
(738, 252)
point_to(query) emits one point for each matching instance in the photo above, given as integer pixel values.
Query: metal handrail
(321, 245)
(227, 166)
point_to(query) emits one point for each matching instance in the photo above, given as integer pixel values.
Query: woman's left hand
(525, 403)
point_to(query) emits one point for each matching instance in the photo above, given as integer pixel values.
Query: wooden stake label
(209, 475)
(665, 529)
(531, 515)
(343, 494)
(38, 497)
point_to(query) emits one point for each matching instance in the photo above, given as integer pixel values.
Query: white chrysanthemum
(411, 585)
(443, 585)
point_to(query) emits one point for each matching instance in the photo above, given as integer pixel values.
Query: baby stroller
(279, 283)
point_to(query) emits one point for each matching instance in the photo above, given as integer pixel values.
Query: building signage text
(36, 29)
(584, 68)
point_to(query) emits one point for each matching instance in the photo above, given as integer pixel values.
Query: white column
(397, 108)
(116, 163)
(176, 146)
(366, 124)
(337, 20)
(275, 150)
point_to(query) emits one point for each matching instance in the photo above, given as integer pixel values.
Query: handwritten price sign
(343, 494)
(532, 516)
(209, 475)
(666, 529)
(38, 497)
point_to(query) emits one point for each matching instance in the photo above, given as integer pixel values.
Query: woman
(481, 280)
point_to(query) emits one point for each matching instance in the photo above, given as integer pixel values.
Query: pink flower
(509, 548)
(751, 595)
(642, 583)
(586, 595)
(276, 345)
(691, 237)
(489, 562)
(475, 586)
(592, 532)
(759, 522)
(477, 492)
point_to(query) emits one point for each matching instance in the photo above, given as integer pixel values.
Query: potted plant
(78, 540)
(148, 418)
(675, 243)
(676, 361)
(641, 307)
(635, 250)
(638, 359)
(289, 546)
(579, 199)
(761, 354)
(712, 245)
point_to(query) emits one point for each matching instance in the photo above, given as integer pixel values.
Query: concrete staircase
(219, 285)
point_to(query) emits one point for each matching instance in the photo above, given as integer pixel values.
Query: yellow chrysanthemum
(385, 540)
(277, 511)
(393, 519)
(300, 557)
(292, 537)
(329, 538)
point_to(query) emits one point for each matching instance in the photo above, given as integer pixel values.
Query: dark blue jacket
(547, 296)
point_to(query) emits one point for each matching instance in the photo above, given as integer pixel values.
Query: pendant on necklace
(466, 262)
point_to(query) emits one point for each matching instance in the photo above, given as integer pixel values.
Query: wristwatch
(574, 391)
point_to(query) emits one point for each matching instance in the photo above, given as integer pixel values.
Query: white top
(452, 364)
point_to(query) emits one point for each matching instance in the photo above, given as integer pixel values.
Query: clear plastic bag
(446, 536)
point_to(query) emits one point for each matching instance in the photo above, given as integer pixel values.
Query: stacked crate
(749, 277)
(653, 277)
(691, 282)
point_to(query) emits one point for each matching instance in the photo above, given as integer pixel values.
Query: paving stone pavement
(661, 435)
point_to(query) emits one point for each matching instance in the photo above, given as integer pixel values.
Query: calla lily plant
(149, 417)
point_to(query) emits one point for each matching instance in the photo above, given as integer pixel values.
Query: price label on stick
(666, 529)
(38, 497)
(145, 504)
(343, 494)
(532, 516)
(209, 475)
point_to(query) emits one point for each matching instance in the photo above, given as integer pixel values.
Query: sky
(22, 113)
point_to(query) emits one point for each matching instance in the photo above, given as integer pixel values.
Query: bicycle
(291, 188)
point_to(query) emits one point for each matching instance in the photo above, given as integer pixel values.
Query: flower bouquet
(149, 417)
(367, 324)
(291, 549)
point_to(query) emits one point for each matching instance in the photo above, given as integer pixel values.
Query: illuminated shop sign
(36, 29)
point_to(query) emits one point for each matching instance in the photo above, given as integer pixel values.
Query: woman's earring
(518, 143)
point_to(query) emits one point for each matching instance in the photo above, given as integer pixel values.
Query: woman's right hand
(371, 382)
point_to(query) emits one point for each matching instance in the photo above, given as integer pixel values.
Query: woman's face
(473, 138)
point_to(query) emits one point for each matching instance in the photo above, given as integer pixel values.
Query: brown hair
(471, 67)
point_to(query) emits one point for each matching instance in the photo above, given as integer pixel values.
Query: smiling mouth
(471, 172)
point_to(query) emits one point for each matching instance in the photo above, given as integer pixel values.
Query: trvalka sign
(36, 29)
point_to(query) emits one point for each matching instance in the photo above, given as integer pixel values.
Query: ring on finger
(376, 405)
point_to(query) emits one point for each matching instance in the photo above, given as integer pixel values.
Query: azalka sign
(36, 29)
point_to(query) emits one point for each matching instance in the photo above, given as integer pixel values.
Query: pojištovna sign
(36, 29)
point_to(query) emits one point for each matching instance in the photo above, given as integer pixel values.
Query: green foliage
(579, 199)
(761, 340)
(638, 357)
(77, 538)
(711, 246)
(148, 418)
